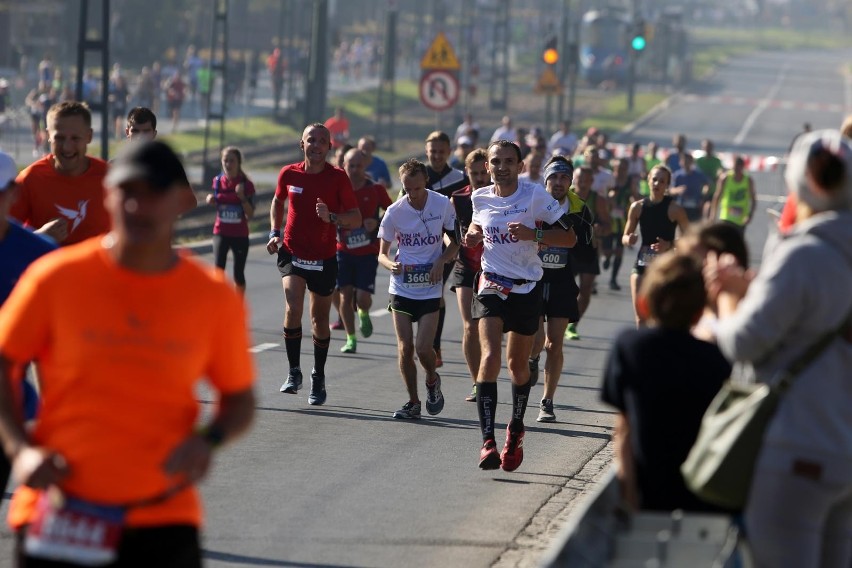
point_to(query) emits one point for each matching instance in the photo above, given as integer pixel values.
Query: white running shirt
(419, 236)
(503, 253)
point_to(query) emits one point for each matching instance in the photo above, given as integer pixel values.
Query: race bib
(416, 275)
(646, 255)
(357, 238)
(554, 257)
(490, 283)
(307, 264)
(230, 213)
(72, 530)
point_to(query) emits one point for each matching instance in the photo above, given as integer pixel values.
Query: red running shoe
(488, 456)
(513, 452)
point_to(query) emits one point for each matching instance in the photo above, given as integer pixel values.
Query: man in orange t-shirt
(61, 195)
(119, 356)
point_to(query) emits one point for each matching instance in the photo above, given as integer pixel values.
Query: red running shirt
(305, 234)
(358, 242)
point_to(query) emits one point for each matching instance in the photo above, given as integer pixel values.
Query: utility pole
(101, 46)
(317, 88)
(499, 90)
(386, 103)
(574, 56)
(565, 57)
(217, 67)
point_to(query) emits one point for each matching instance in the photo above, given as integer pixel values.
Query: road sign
(440, 55)
(439, 89)
(548, 83)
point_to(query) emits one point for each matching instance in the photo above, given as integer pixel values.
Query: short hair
(662, 168)
(438, 136)
(142, 115)
(673, 290)
(351, 152)
(70, 108)
(317, 125)
(368, 139)
(413, 166)
(507, 144)
(478, 155)
(719, 237)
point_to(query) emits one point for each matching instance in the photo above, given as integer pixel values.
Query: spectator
(338, 125)
(799, 510)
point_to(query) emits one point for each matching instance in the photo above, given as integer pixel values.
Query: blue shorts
(357, 270)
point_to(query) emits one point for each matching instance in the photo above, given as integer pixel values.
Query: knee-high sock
(320, 354)
(293, 344)
(616, 265)
(486, 404)
(520, 396)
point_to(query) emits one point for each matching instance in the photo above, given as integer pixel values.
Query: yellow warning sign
(440, 55)
(548, 83)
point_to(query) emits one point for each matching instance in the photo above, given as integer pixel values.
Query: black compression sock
(616, 265)
(486, 404)
(520, 395)
(293, 344)
(320, 354)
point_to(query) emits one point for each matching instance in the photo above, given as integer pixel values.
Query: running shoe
(438, 361)
(293, 382)
(533, 371)
(513, 452)
(488, 456)
(571, 332)
(613, 285)
(434, 397)
(606, 263)
(409, 411)
(472, 396)
(365, 323)
(351, 346)
(318, 394)
(545, 411)
(337, 325)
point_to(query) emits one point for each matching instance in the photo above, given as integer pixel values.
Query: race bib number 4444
(73, 530)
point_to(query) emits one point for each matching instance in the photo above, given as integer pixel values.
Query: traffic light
(638, 42)
(550, 55)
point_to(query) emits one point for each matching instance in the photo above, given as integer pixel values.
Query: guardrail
(599, 534)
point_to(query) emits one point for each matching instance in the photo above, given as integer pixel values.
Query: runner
(468, 263)
(508, 296)
(560, 290)
(584, 256)
(320, 199)
(357, 251)
(61, 194)
(657, 216)
(445, 180)
(735, 199)
(233, 197)
(624, 192)
(690, 187)
(126, 457)
(417, 223)
(338, 127)
(711, 166)
(141, 125)
(376, 167)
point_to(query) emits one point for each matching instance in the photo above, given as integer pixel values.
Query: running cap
(558, 167)
(8, 171)
(807, 170)
(152, 161)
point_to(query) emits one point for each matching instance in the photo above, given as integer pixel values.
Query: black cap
(152, 161)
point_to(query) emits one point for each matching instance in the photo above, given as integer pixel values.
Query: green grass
(238, 132)
(714, 46)
(612, 114)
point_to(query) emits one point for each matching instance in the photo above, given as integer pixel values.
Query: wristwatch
(332, 218)
(539, 235)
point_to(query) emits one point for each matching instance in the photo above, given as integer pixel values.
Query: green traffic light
(638, 43)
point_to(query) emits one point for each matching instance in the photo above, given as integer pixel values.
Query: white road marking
(762, 106)
(379, 313)
(262, 347)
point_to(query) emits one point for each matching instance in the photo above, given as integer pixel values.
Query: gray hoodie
(803, 289)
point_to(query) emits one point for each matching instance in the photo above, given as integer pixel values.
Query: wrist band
(275, 233)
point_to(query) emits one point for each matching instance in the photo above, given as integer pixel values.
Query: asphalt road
(347, 485)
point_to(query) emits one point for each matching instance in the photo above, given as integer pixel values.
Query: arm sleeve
(545, 207)
(387, 231)
(449, 217)
(20, 209)
(385, 200)
(281, 187)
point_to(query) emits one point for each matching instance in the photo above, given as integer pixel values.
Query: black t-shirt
(663, 380)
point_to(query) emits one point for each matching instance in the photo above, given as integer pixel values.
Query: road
(347, 485)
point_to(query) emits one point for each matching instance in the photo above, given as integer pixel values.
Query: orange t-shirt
(339, 130)
(120, 355)
(46, 194)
